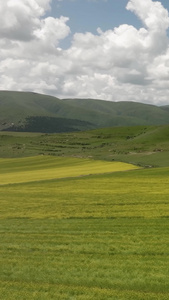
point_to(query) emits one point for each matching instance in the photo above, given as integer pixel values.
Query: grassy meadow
(77, 229)
(85, 215)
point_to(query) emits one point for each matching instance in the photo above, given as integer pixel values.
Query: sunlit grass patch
(140, 193)
(46, 167)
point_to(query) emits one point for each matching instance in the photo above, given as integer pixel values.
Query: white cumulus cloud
(120, 64)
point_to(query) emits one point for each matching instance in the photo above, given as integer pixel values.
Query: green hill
(22, 111)
(26, 111)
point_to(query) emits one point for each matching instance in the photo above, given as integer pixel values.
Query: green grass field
(83, 229)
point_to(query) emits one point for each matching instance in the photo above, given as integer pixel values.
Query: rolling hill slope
(140, 145)
(26, 111)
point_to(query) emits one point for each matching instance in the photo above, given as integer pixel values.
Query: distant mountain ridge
(27, 111)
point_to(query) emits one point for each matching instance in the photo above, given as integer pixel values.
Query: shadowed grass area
(96, 237)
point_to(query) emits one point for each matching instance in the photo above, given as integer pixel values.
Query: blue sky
(88, 15)
(55, 47)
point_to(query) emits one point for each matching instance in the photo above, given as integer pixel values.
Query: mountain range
(32, 112)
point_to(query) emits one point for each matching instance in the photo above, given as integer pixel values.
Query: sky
(115, 50)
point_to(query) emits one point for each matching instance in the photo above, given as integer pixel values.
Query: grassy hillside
(166, 107)
(126, 113)
(140, 145)
(27, 111)
(96, 237)
(23, 111)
